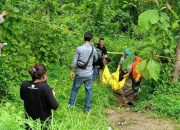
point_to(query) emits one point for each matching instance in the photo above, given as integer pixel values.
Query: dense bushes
(48, 32)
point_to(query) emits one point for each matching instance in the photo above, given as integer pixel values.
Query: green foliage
(161, 97)
(150, 69)
(12, 114)
(142, 69)
(128, 61)
(10, 117)
(154, 69)
(48, 32)
(148, 18)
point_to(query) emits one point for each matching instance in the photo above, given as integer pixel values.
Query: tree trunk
(176, 72)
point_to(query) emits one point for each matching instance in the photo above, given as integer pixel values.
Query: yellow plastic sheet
(113, 79)
(106, 77)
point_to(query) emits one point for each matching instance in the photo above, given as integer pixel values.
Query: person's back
(84, 52)
(38, 100)
(83, 64)
(38, 97)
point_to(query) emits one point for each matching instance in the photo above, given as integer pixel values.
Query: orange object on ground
(136, 61)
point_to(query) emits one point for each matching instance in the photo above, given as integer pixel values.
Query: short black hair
(107, 59)
(88, 36)
(136, 52)
(101, 39)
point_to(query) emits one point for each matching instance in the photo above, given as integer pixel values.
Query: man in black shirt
(101, 47)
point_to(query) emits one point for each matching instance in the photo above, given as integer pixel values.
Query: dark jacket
(103, 50)
(38, 100)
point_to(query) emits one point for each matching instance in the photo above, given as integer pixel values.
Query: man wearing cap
(126, 54)
(83, 64)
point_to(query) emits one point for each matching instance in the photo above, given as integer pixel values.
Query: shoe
(86, 111)
(70, 106)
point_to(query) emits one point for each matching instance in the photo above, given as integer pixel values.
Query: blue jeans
(78, 81)
(95, 73)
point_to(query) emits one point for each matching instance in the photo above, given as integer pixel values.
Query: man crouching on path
(82, 63)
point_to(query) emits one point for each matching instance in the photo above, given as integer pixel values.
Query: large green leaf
(164, 21)
(141, 66)
(142, 69)
(154, 69)
(147, 18)
(128, 61)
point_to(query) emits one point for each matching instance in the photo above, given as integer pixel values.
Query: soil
(129, 120)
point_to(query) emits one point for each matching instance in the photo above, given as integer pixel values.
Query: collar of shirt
(87, 43)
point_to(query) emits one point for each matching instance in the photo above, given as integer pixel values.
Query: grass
(12, 115)
(64, 118)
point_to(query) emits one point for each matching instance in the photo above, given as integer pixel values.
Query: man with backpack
(82, 63)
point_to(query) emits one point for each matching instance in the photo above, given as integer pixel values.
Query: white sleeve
(1, 19)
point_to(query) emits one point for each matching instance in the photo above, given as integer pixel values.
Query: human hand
(72, 74)
(4, 13)
(1, 46)
(137, 79)
(53, 92)
(126, 75)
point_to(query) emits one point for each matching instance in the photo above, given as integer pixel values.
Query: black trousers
(135, 85)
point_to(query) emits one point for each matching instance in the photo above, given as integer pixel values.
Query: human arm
(4, 13)
(100, 75)
(50, 98)
(105, 51)
(22, 89)
(1, 46)
(21, 93)
(74, 64)
(138, 77)
(95, 55)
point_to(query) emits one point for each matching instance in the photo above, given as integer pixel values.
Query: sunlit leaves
(147, 18)
(151, 17)
(150, 69)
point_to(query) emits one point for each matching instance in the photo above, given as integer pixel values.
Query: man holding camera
(82, 63)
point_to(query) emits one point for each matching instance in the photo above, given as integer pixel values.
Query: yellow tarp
(106, 77)
(112, 79)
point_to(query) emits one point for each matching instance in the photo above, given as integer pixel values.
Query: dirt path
(129, 120)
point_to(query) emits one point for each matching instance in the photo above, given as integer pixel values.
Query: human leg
(76, 85)
(88, 90)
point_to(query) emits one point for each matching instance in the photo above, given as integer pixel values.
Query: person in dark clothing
(37, 95)
(98, 66)
(101, 49)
